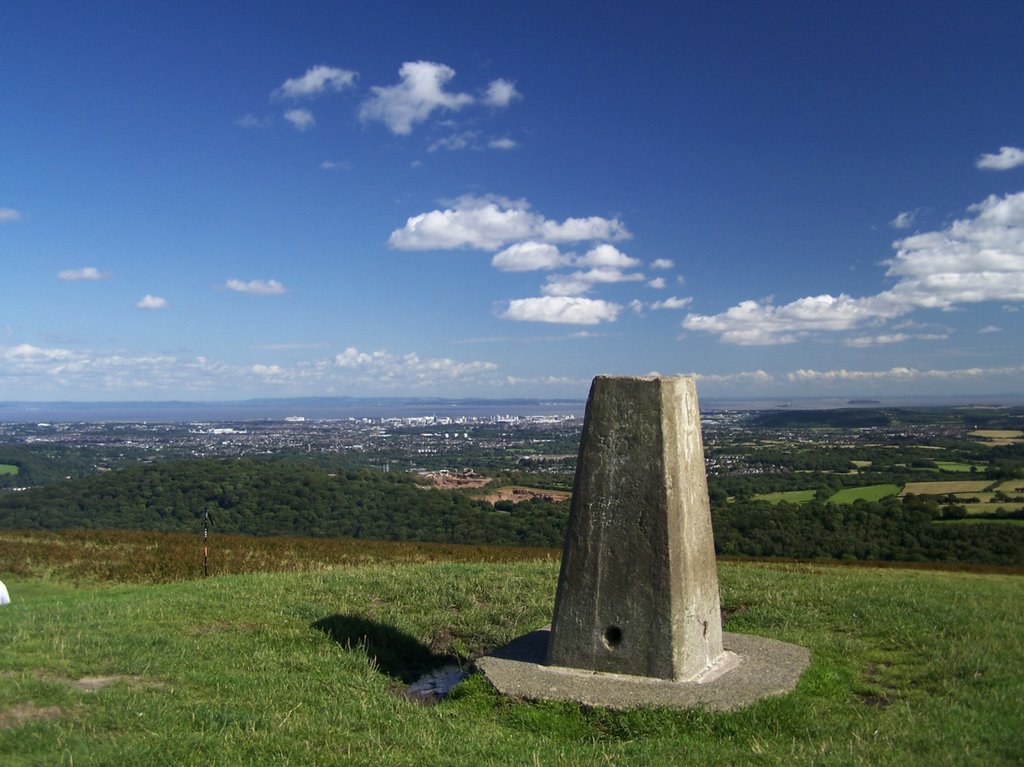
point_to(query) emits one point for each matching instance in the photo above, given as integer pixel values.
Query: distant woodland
(277, 498)
(266, 497)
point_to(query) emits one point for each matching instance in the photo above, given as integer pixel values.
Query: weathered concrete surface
(636, 619)
(752, 668)
(638, 590)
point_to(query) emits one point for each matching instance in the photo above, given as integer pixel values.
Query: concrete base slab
(751, 668)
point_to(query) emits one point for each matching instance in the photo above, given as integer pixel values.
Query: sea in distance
(334, 408)
(310, 408)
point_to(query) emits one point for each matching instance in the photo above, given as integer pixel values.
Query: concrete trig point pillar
(638, 591)
(636, 618)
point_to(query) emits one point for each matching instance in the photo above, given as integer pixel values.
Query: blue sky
(222, 201)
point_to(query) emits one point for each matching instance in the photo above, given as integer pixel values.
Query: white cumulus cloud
(256, 287)
(504, 143)
(884, 339)
(28, 352)
(85, 273)
(562, 310)
(583, 281)
(454, 142)
(658, 283)
(527, 241)
(672, 303)
(608, 275)
(974, 259)
(152, 302)
(301, 119)
(1009, 157)
(411, 101)
(566, 285)
(662, 263)
(501, 93)
(745, 376)
(267, 371)
(57, 372)
(898, 374)
(9, 214)
(409, 368)
(491, 222)
(605, 255)
(529, 256)
(317, 80)
(751, 323)
(903, 220)
(583, 229)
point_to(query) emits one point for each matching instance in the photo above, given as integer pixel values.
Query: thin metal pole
(206, 550)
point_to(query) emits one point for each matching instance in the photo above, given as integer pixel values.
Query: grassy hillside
(909, 668)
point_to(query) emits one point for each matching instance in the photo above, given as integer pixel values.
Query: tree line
(891, 529)
(277, 498)
(257, 497)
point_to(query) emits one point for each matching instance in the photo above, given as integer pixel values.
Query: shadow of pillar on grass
(394, 652)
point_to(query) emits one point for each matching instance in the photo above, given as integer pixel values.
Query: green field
(996, 437)
(991, 508)
(998, 433)
(908, 668)
(969, 521)
(986, 503)
(848, 495)
(791, 496)
(942, 488)
(1012, 486)
(867, 493)
(8, 468)
(958, 466)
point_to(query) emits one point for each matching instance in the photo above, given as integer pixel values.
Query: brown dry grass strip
(23, 713)
(150, 557)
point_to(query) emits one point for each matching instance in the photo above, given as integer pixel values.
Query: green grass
(945, 487)
(990, 508)
(789, 496)
(909, 668)
(847, 495)
(969, 520)
(959, 466)
(867, 493)
(1012, 486)
(8, 468)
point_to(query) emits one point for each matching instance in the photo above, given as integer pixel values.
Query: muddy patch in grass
(442, 642)
(23, 713)
(879, 694)
(876, 700)
(90, 683)
(94, 683)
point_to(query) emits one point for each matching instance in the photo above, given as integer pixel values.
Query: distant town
(545, 442)
(865, 482)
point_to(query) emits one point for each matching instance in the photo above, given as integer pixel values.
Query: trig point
(638, 591)
(637, 618)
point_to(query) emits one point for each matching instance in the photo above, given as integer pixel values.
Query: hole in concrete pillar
(612, 637)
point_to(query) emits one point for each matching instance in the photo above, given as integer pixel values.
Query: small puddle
(434, 686)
